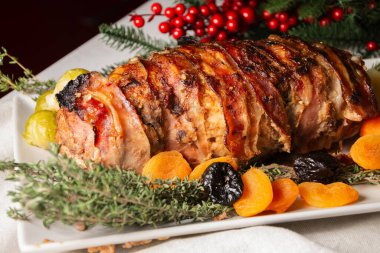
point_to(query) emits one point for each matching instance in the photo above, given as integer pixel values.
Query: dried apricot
(370, 126)
(285, 193)
(166, 165)
(366, 152)
(257, 193)
(330, 195)
(200, 169)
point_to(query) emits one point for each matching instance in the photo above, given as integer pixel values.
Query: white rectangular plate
(32, 233)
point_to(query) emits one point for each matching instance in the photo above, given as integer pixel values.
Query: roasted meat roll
(234, 98)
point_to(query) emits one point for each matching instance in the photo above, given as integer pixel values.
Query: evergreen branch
(27, 83)
(377, 66)
(347, 34)
(121, 38)
(191, 2)
(60, 190)
(312, 8)
(279, 5)
(105, 71)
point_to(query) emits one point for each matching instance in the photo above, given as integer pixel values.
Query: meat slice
(132, 79)
(327, 94)
(354, 111)
(184, 116)
(214, 122)
(274, 120)
(117, 132)
(311, 78)
(229, 86)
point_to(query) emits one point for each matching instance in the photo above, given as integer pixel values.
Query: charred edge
(67, 97)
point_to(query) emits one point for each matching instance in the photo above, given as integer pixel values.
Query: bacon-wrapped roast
(235, 98)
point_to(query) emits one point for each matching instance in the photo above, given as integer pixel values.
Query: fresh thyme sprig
(350, 174)
(122, 37)
(27, 83)
(353, 174)
(60, 190)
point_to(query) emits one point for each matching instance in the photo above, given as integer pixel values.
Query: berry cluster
(233, 17)
(281, 21)
(207, 21)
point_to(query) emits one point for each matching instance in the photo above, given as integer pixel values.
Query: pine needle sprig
(191, 2)
(311, 8)
(27, 83)
(121, 37)
(105, 71)
(347, 34)
(274, 6)
(60, 190)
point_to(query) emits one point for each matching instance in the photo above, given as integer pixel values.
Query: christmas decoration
(348, 24)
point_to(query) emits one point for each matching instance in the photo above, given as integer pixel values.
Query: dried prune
(222, 183)
(317, 167)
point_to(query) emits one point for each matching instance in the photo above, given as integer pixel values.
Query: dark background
(40, 32)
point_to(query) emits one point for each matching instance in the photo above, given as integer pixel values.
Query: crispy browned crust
(239, 99)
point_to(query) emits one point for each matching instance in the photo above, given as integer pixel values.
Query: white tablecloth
(359, 233)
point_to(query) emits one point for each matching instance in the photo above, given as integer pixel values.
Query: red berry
(217, 20)
(213, 8)
(222, 35)
(248, 15)
(372, 46)
(283, 17)
(372, 5)
(199, 32)
(193, 10)
(156, 8)
(252, 3)
(205, 39)
(337, 14)
(324, 21)
(283, 27)
(169, 12)
(292, 21)
(212, 30)
(276, 15)
(205, 11)
(180, 9)
(138, 21)
(199, 23)
(178, 33)
(178, 22)
(266, 15)
(273, 24)
(232, 25)
(164, 27)
(231, 15)
(189, 18)
(349, 10)
(237, 5)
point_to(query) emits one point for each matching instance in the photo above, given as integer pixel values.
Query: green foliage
(353, 174)
(60, 190)
(312, 8)
(347, 34)
(279, 5)
(121, 37)
(192, 2)
(105, 71)
(27, 83)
